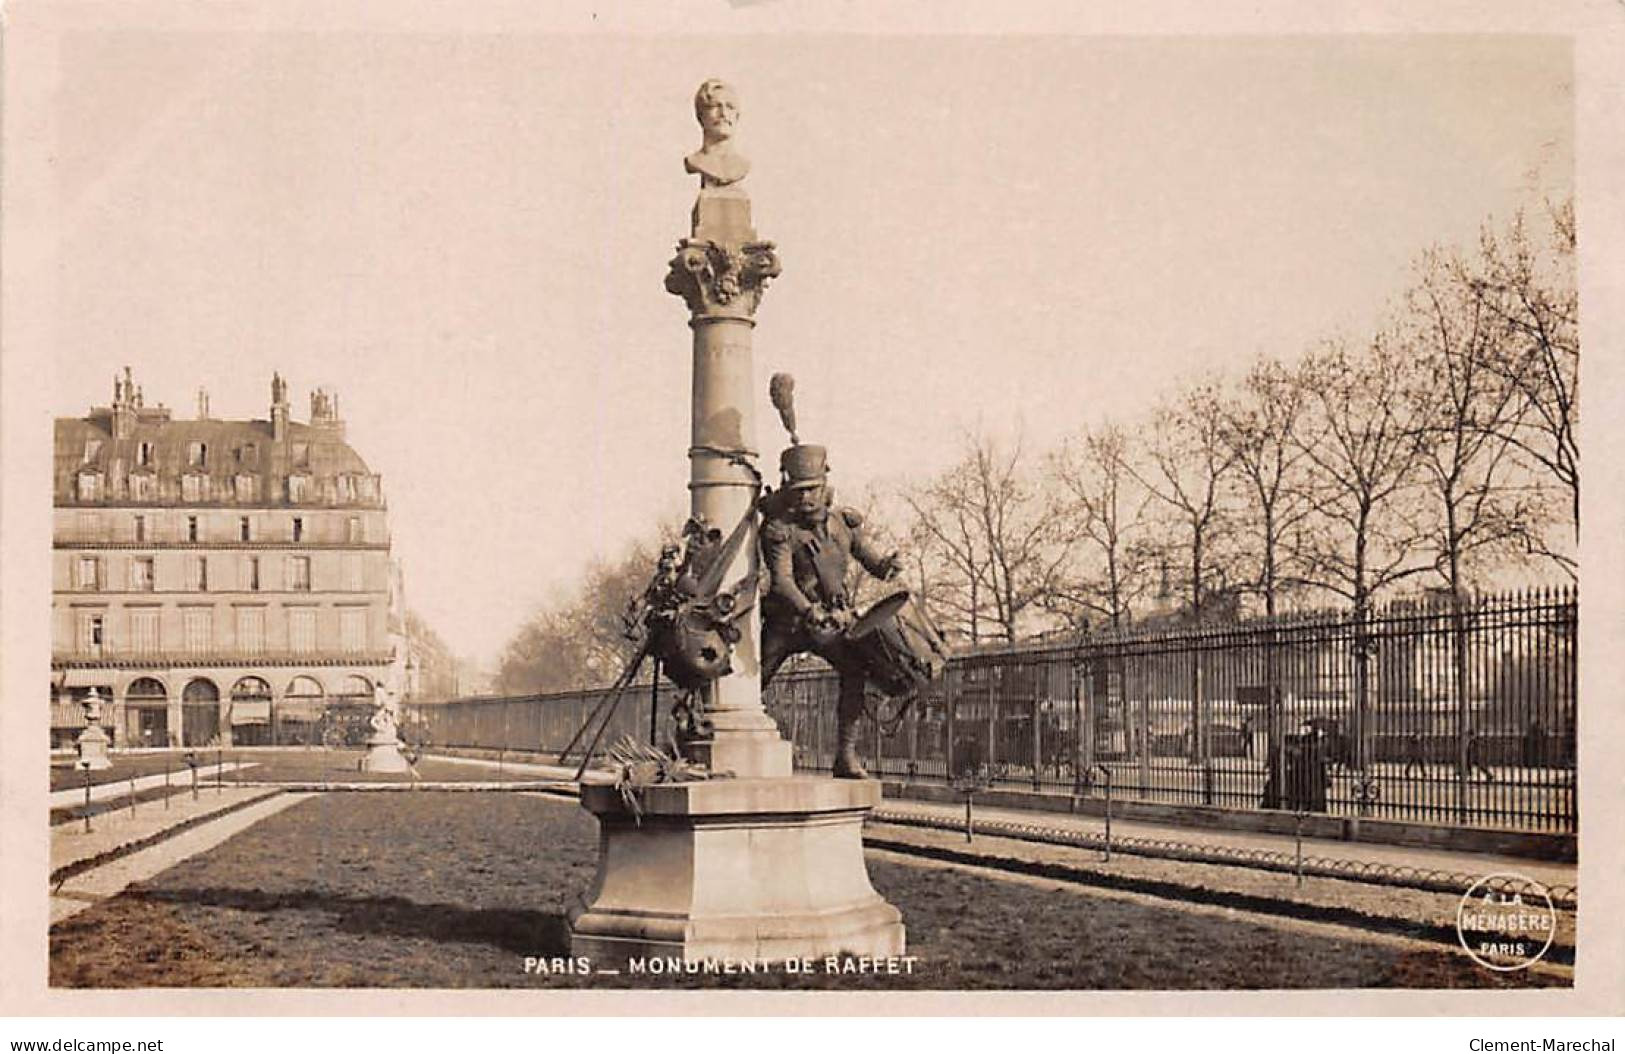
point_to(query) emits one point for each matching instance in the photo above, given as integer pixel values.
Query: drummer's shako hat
(801, 465)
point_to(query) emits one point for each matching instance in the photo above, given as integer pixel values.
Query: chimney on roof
(324, 411)
(202, 404)
(279, 407)
(126, 401)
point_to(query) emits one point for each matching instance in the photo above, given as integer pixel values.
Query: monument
(92, 742)
(383, 745)
(753, 863)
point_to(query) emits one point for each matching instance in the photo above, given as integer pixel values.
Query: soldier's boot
(847, 764)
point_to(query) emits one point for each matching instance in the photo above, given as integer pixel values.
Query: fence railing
(1454, 712)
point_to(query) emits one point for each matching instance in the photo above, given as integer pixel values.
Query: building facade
(218, 581)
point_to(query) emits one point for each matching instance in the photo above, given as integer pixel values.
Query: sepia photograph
(547, 513)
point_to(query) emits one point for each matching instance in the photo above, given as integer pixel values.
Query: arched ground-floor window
(146, 703)
(200, 712)
(251, 713)
(299, 714)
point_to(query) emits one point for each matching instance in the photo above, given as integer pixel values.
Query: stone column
(721, 273)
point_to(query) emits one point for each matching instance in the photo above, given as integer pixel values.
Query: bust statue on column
(717, 163)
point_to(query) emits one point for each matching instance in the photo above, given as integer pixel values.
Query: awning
(67, 715)
(251, 712)
(80, 678)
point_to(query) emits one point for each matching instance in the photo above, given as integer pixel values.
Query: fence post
(1038, 733)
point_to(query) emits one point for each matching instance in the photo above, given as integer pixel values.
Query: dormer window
(298, 487)
(248, 454)
(247, 488)
(90, 486)
(141, 487)
(197, 454)
(144, 454)
(194, 487)
(301, 453)
(92, 448)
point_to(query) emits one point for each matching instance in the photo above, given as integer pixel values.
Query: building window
(298, 528)
(301, 453)
(250, 577)
(140, 528)
(353, 629)
(191, 528)
(245, 529)
(144, 632)
(90, 572)
(92, 448)
(197, 574)
(248, 454)
(354, 533)
(197, 454)
(302, 629)
(194, 487)
(90, 486)
(141, 574)
(143, 454)
(251, 630)
(247, 488)
(141, 487)
(199, 630)
(90, 526)
(299, 573)
(346, 488)
(297, 486)
(352, 572)
(92, 633)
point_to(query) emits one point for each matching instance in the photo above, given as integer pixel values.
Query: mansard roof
(233, 448)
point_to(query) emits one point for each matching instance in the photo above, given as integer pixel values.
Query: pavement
(1550, 873)
(71, 843)
(99, 883)
(180, 782)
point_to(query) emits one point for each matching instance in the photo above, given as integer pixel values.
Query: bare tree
(1103, 517)
(1185, 466)
(1363, 446)
(1262, 427)
(1531, 295)
(1467, 412)
(999, 534)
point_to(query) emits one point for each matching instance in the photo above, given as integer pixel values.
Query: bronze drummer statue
(807, 545)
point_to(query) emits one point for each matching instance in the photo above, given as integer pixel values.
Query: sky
(466, 235)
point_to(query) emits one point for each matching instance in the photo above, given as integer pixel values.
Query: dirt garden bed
(455, 890)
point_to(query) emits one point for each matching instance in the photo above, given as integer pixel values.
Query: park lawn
(454, 890)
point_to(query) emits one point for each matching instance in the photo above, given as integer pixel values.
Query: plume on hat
(781, 388)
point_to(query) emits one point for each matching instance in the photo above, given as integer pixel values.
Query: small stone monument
(753, 863)
(384, 746)
(92, 742)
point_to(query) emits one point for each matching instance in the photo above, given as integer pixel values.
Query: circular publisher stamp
(1506, 921)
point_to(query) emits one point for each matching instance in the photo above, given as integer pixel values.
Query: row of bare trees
(1438, 453)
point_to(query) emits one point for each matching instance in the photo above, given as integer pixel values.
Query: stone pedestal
(384, 755)
(752, 869)
(92, 743)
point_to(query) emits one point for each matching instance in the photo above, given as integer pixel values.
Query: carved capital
(722, 281)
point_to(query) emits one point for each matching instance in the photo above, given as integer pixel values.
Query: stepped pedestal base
(384, 755)
(92, 744)
(745, 869)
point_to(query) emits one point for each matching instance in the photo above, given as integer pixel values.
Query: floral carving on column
(722, 280)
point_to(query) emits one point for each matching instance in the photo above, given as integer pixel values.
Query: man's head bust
(716, 106)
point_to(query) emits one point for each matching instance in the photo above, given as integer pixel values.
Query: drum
(899, 647)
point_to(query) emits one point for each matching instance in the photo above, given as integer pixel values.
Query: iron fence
(1458, 712)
